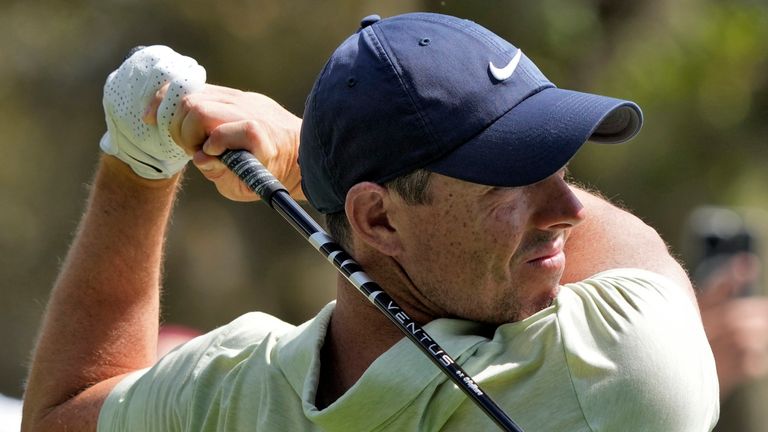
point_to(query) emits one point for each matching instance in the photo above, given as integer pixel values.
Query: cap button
(370, 19)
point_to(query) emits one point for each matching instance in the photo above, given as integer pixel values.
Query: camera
(714, 235)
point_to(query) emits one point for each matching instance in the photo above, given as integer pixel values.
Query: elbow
(77, 414)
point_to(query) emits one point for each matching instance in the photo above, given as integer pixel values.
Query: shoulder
(188, 376)
(634, 343)
(240, 337)
(232, 341)
(624, 289)
(247, 330)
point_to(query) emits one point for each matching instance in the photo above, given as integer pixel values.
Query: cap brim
(539, 136)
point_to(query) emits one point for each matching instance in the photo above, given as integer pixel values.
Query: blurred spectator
(724, 258)
(736, 326)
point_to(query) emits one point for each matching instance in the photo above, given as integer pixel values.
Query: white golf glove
(148, 149)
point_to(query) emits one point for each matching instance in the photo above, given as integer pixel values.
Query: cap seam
(397, 68)
(470, 27)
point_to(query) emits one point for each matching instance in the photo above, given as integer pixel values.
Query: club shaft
(261, 181)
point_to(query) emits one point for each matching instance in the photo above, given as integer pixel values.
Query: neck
(358, 332)
(357, 335)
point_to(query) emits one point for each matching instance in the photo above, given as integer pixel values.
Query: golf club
(261, 181)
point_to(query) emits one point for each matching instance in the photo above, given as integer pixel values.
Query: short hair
(413, 188)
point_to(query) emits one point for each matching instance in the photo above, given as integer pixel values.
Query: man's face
(488, 254)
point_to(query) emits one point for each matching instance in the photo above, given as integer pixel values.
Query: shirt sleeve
(180, 389)
(634, 344)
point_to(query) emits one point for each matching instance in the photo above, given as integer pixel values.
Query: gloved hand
(148, 148)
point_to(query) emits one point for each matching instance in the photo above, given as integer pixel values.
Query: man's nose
(557, 205)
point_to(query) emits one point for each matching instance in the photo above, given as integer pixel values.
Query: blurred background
(698, 68)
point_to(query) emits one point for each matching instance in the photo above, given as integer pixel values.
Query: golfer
(438, 153)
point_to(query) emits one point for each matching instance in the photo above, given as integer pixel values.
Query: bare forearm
(102, 317)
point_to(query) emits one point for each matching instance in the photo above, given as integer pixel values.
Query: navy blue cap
(437, 92)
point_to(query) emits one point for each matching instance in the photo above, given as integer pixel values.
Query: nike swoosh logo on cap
(503, 73)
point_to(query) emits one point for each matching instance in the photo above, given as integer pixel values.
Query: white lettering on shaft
(411, 326)
(434, 349)
(424, 338)
(446, 360)
(401, 317)
(472, 386)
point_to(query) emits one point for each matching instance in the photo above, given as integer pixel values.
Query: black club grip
(252, 173)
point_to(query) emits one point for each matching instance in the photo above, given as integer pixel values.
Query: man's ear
(367, 207)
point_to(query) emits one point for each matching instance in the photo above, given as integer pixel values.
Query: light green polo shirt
(622, 351)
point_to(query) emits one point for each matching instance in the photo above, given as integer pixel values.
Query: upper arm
(612, 238)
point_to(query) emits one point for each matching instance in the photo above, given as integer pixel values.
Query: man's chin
(539, 303)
